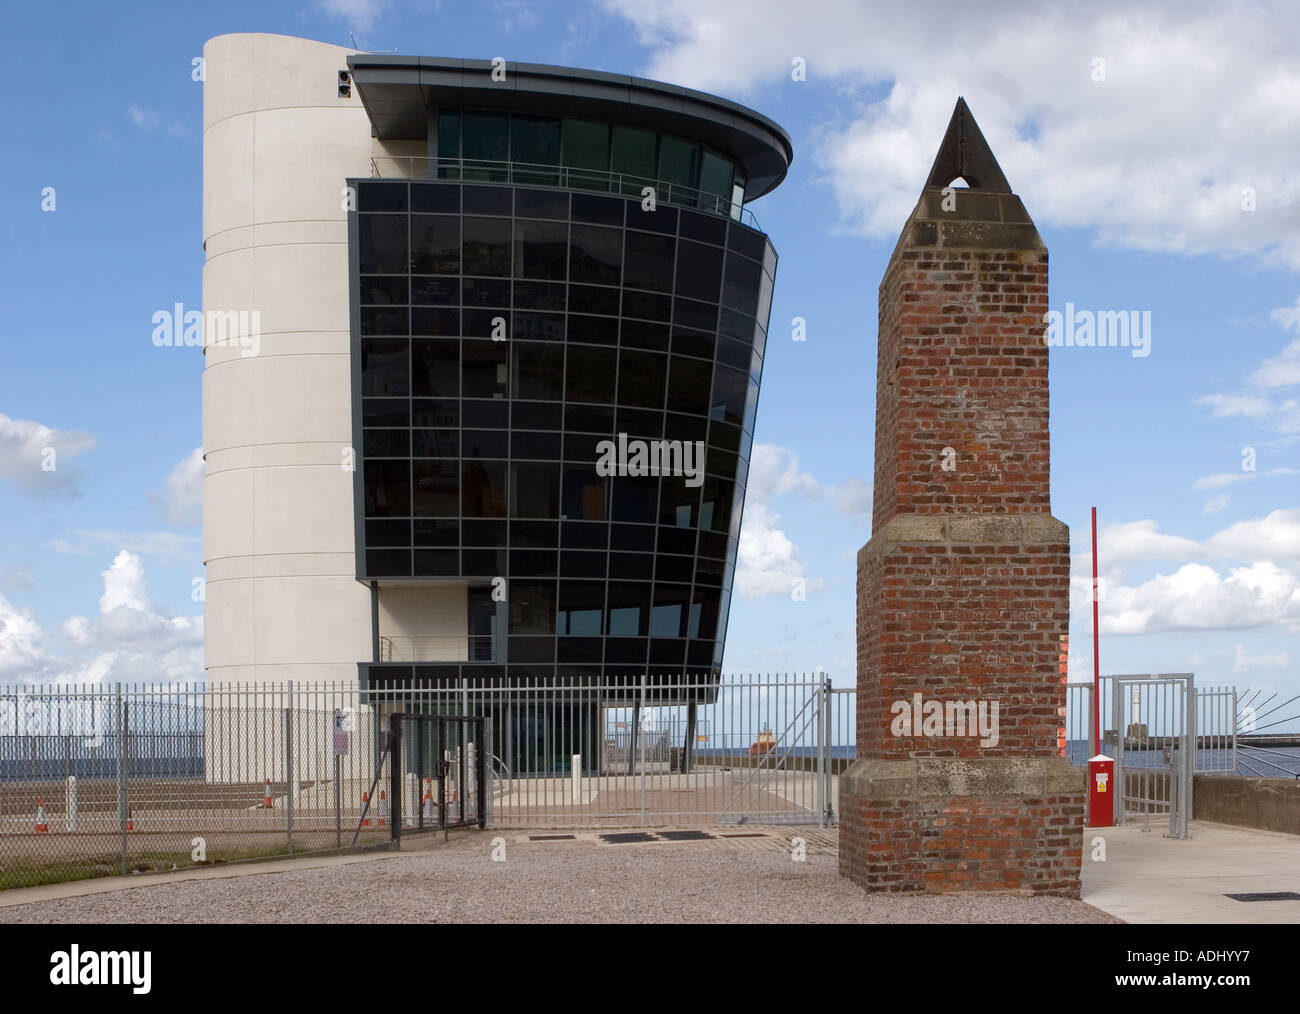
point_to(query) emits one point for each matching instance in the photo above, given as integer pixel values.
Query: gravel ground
(584, 881)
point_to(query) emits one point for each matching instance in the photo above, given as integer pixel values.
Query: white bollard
(576, 769)
(72, 802)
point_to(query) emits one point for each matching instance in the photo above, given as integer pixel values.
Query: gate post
(395, 775)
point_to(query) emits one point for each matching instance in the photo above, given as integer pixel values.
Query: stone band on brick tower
(963, 589)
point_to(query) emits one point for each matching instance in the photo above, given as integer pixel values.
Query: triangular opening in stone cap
(964, 153)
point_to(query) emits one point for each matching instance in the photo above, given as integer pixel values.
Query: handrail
(564, 177)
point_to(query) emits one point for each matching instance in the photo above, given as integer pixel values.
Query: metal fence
(109, 779)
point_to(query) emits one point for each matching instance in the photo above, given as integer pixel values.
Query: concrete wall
(1270, 804)
(282, 600)
(435, 615)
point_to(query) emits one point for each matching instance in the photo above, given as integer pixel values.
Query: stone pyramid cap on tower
(983, 215)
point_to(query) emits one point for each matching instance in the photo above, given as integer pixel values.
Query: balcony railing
(472, 648)
(415, 167)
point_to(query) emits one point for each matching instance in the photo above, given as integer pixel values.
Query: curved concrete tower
(283, 601)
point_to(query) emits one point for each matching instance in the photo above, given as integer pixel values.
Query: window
(435, 489)
(435, 368)
(538, 370)
(532, 607)
(636, 498)
(435, 244)
(596, 255)
(483, 489)
(581, 608)
(628, 605)
(485, 138)
(589, 374)
(634, 156)
(641, 378)
(388, 488)
(485, 369)
(715, 179)
(384, 369)
(688, 386)
(740, 290)
(586, 145)
(485, 246)
(382, 246)
(729, 389)
(585, 493)
(669, 610)
(699, 271)
(649, 262)
(540, 249)
(535, 141)
(534, 490)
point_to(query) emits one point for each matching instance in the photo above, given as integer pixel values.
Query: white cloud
(1071, 146)
(1195, 597)
(774, 471)
(145, 119)
(356, 13)
(1244, 662)
(1216, 503)
(34, 457)
(768, 562)
(130, 640)
(168, 547)
(513, 14)
(1222, 479)
(182, 501)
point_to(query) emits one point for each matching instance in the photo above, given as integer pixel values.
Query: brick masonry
(963, 589)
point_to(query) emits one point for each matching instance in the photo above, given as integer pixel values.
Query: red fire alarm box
(1101, 791)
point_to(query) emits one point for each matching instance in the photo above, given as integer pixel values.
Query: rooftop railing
(415, 167)
(472, 648)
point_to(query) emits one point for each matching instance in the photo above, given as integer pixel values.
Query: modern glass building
(571, 263)
(525, 308)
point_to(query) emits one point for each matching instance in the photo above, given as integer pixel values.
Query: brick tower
(963, 588)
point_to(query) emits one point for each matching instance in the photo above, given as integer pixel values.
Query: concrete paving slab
(1147, 878)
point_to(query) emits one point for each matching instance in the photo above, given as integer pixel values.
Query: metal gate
(1154, 729)
(649, 750)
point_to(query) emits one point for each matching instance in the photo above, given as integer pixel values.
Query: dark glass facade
(501, 333)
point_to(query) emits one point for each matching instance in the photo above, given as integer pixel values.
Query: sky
(1154, 145)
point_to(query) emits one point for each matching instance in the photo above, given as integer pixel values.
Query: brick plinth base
(948, 825)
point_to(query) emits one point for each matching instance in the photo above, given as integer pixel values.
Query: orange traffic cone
(383, 808)
(130, 824)
(266, 799)
(428, 798)
(365, 803)
(41, 824)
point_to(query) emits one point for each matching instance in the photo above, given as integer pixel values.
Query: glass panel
(435, 368)
(538, 371)
(715, 177)
(485, 369)
(485, 138)
(391, 291)
(668, 611)
(589, 374)
(740, 289)
(540, 249)
(679, 163)
(689, 383)
(532, 607)
(728, 401)
(636, 499)
(596, 255)
(483, 489)
(581, 608)
(435, 489)
(435, 244)
(388, 488)
(586, 145)
(535, 140)
(634, 157)
(648, 262)
(679, 503)
(448, 134)
(628, 606)
(382, 245)
(585, 493)
(641, 378)
(699, 271)
(486, 246)
(534, 490)
(715, 509)
(385, 369)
